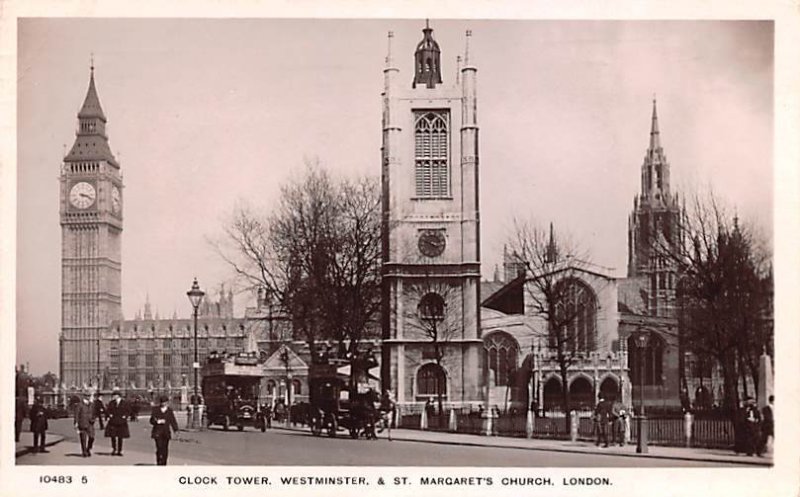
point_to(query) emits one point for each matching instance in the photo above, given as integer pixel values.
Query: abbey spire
(655, 168)
(654, 226)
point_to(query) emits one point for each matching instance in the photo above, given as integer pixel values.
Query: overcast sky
(203, 114)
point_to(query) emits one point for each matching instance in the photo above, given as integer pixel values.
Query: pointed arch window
(502, 351)
(432, 153)
(575, 318)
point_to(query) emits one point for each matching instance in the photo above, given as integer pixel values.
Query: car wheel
(316, 427)
(332, 426)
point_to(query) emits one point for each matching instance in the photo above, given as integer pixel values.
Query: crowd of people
(112, 418)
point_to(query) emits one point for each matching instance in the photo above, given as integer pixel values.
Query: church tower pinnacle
(427, 67)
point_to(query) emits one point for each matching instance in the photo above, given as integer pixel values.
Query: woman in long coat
(162, 418)
(118, 411)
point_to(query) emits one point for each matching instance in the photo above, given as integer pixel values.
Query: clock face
(82, 195)
(431, 243)
(116, 200)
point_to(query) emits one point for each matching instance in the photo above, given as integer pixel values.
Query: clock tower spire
(91, 232)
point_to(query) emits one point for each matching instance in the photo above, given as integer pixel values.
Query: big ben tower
(431, 241)
(91, 230)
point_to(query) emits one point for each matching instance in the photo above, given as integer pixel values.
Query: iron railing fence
(668, 431)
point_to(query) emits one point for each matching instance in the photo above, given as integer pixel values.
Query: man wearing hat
(38, 416)
(84, 423)
(117, 429)
(162, 418)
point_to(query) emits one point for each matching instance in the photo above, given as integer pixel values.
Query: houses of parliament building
(430, 171)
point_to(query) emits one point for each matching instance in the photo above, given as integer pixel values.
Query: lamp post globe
(641, 339)
(195, 295)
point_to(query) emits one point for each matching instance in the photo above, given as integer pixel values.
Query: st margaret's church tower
(431, 237)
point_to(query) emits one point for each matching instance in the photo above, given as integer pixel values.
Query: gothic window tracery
(501, 352)
(576, 314)
(431, 153)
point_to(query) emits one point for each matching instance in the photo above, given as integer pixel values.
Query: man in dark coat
(602, 418)
(20, 413)
(117, 429)
(38, 416)
(84, 423)
(99, 410)
(752, 428)
(162, 418)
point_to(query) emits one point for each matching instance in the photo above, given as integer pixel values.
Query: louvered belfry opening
(431, 153)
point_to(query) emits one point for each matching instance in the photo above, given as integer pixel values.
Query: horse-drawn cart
(335, 405)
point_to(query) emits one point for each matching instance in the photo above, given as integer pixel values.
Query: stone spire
(655, 140)
(427, 66)
(551, 255)
(148, 314)
(91, 142)
(655, 168)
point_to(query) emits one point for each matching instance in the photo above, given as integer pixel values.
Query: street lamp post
(195, 297)
(641, 339)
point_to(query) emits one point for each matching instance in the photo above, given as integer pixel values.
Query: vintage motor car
(231, 387)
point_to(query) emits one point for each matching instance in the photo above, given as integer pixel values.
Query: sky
(205, 115)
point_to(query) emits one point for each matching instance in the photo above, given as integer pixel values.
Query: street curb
(52, 439)
(752, 462)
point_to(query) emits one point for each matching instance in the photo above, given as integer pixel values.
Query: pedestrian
(430, 409)
(84, 424)
(752, 428)
(135, 410)
(618, 414)
(38, 416)
(602, 418)
(118, 411)
(268, 414)
(20, 413)
(99, 410)
(768, 424)
(163, 419)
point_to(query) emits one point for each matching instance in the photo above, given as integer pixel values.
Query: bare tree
(549, 265)
(317, 255)
(724, 291)
(434, 314)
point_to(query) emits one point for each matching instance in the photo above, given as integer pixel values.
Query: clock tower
(431, 241)
(91, 230)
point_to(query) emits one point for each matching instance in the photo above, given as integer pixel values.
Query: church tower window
(431, 153)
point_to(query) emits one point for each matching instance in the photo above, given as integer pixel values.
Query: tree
(317, 255)
(724, 292)
(436, 318)
(555, 296)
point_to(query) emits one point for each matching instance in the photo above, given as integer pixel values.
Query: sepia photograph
(373, 246)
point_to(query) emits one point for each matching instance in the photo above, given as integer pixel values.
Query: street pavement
(297, 447)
